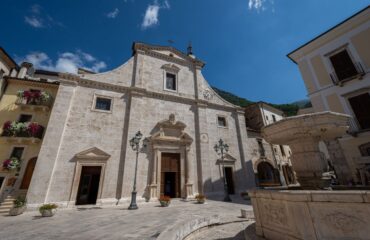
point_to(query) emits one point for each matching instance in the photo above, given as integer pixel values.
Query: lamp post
(220, 148)
(135, 145)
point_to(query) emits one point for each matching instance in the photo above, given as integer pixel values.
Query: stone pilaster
(46, 161)
(247, 176)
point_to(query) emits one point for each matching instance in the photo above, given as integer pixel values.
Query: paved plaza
(148, 222)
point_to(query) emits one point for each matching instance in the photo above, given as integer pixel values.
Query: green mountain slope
(290, 109)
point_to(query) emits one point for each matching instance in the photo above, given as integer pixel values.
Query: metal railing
(360, 73)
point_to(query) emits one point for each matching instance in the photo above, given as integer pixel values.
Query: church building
(86, 157)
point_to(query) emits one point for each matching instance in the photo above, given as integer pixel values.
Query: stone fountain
(303, 134)
(310, 213)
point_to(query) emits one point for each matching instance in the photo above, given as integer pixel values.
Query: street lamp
(220, 148)
(135, 145)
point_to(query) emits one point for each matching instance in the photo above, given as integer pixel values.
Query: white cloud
(34, 21)
(259, 5)
(152, 13)
(66, 62)
(39, 18)
(113, 14)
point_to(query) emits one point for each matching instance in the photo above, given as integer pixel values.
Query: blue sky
(243, 42)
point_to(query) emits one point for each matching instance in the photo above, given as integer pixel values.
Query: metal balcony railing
(360, 73)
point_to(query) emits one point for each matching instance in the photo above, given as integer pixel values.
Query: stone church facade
(161, 92)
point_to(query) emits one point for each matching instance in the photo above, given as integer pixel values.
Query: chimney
(25, 68)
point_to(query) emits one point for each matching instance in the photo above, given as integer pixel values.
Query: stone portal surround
(311, 214)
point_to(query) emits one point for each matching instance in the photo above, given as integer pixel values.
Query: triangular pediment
(167, 52)
(228, 159)
(92, 153)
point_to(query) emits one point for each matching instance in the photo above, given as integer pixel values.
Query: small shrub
(48, 206)
(20, 202)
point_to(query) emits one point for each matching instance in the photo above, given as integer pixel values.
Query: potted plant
(19, 206)
(200, 198)
(164, 201)
(48, 210)
(245, 196)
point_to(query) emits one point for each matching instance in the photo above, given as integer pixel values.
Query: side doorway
(89, 185)
(230, 180)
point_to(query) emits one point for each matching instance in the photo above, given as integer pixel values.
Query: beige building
(26, 102)
(335, 68)
(271, 163)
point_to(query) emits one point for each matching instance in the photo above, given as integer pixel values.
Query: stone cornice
(32, 82)
(68, 79)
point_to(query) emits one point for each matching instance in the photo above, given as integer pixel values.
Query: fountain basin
(302, 214)
(303, 134)
(320, 126)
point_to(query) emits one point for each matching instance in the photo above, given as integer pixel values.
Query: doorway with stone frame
(170, 167)
(170, 175)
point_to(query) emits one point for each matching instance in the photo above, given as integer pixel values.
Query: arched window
(267, 175)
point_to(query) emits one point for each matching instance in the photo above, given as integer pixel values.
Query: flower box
(22, 129)
(34, 97)
(12, 164)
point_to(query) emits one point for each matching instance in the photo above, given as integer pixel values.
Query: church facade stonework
(161, 92)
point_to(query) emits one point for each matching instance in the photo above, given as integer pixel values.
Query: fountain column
(303, 133)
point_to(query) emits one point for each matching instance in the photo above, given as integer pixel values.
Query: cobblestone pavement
(114, 222)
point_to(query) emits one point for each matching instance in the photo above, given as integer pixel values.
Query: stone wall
(311, 214)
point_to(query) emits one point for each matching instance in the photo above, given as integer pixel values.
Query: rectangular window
(17, 152)
(103, 103)
(171, 81)
(221, 121)
(25, 118)
(282, 150)
(261, 149)
(343, 66)
(274, 118)
(361, 108)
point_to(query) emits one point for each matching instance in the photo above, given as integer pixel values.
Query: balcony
(356, 73)
(34, 100)
(22, 132)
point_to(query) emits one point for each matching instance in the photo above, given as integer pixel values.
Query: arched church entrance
(267, 175)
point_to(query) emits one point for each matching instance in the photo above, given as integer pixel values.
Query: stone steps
(6, 205)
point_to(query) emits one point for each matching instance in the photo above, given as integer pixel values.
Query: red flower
(33, 128)
(7, 125)
(6, 163)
